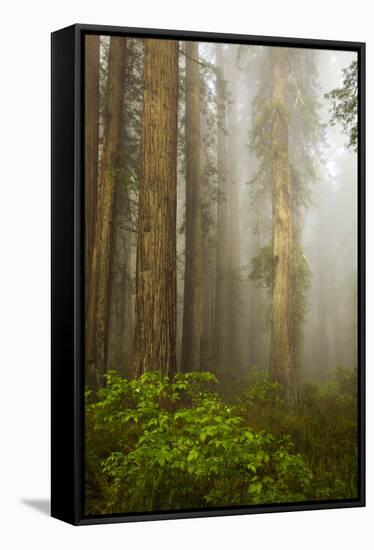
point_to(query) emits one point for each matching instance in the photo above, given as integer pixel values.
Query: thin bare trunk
(91, 141)
(208, 273)
(220, 333)
(233, 351)
(98, 297)
(120, 342)
(193, 247)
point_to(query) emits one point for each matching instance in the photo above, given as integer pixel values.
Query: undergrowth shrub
(323, 427)
(154, 444)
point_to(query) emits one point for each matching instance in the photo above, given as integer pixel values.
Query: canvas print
(220, 204)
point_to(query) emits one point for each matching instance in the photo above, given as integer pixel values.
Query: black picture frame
(67, 473)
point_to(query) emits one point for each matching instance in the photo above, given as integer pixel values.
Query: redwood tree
(193, 241)
(282, 357)
(155, 330)
(99, 275)
(233, 351)
(91, 140)
(221, 287)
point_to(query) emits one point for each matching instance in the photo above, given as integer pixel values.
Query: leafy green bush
(323, 427)
(153, 444)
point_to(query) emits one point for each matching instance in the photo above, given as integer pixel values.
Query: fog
(233, 174)
(220, 194)
(325, 215)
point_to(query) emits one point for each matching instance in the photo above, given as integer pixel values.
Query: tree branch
(195, 60)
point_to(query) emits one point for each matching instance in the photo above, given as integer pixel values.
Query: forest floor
(199, 442)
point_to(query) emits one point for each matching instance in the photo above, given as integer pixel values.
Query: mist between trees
(221, 236)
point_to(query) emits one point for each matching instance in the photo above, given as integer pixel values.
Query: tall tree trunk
(208, 281)
(155, 331)
(337, 314)
(298, 324)
(322, 342)
(233, 350)
(220, 333)
(322, 279)
(98, 297)
(120, 341)
(91, 144)
(193, 247)
(282, 359)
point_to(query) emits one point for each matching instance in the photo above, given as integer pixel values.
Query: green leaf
(192, 455)
(255, 488)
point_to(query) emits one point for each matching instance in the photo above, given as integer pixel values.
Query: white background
(25, 273)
